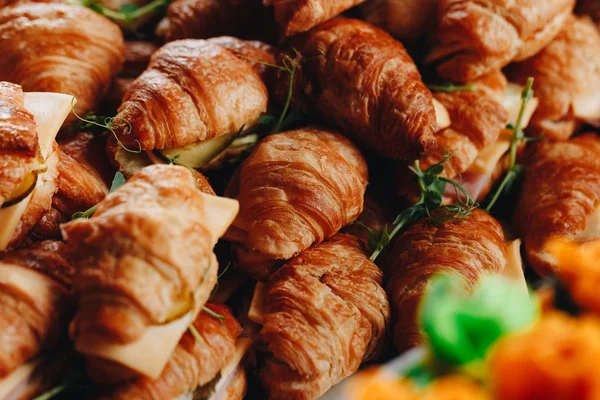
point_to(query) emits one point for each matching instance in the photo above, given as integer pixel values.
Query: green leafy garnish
(93, 121)
(433, 187)
(173, 159)
(51, 393)
(461, 327)
(128, 13)
(117, 182)
(195, 333)
(514, 171)
(452, 88)
(213, 314)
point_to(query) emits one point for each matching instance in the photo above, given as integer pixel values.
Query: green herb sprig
(117, 182)
(452, 88)
(93, 121)
(433, 187)
(128, 13)
(514, 170)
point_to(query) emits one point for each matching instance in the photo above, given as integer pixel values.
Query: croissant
(364, 82)
(61, 48)
(145, 268)
(324, 313)
(88, 150)
(35, 302)
(18, 140)
(473, 38)
(296, 16)
(194, 363)
(560, 196)
(567, 80)
(202, 19)
(470, 247)
(407, 20)
(296, 189)
(192, 91)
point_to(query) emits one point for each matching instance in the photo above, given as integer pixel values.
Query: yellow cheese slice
(592, 227)
(441, 115)
(490, 156)
(50, 111)
(19, 377)
(148, 355)
(513, 269)
(256, 313)
(512, 102)
(220, 213)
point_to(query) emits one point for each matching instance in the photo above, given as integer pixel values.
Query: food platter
(299, 199)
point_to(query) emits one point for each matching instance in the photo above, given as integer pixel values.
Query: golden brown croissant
(324, 313)
(567, 80)
(296, 16)
(145, 268)
(407, 20)
(61, 48)
(364, 82)
(18, 140)
(470, 247)
(202, 19)
(34, 299)
(192, 91)
(474, 38)
(194, 363)
(89, 150)
(560, 196)
(296, 189)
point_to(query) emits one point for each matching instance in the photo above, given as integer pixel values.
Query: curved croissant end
(193, 90)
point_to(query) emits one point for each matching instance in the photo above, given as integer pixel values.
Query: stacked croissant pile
(228, 199)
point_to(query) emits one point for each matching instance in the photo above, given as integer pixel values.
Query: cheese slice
(441, 115)
(587, 107)
(49, 111)
(513, 269)
(512, 102)
(490, 156)
(220, 213)
(148, 355)
(592, 227)
(12, 386)
(256, 313)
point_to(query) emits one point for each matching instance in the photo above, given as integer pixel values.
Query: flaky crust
(194, 363)
(192, 90)
(18, 139)
(360, 79)
(88, 149)
(60, 48)
(560, 190)
(296, 16)
(144, 258)
(469, 247)
(31, 322)
(567, 80)
(41, 199)
(296, 189)
(202, 19)
(474, 37)
(325, 312)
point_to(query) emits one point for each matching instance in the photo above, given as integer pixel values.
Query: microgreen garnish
(452, 88)
(195, 333)
(514, 170)
(213, 314)
(173, 159)
(128, 13)
(106, 123)
(433, 187)
(117, 182)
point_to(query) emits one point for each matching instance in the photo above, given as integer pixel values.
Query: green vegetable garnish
(117, 182)
(452, 88)
(128, 13)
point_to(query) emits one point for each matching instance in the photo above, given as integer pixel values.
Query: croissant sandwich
(206, 364)
(477, 137)
(360, 79)
(322, 314)
(35, 304)
(145, 268)
(474, 38)
(30, 157)
(61, 48)
(296, 16)
(567, 80)
(560, 197)
(296, 189)
(194, 99)
(202, 19)
(470, 247)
